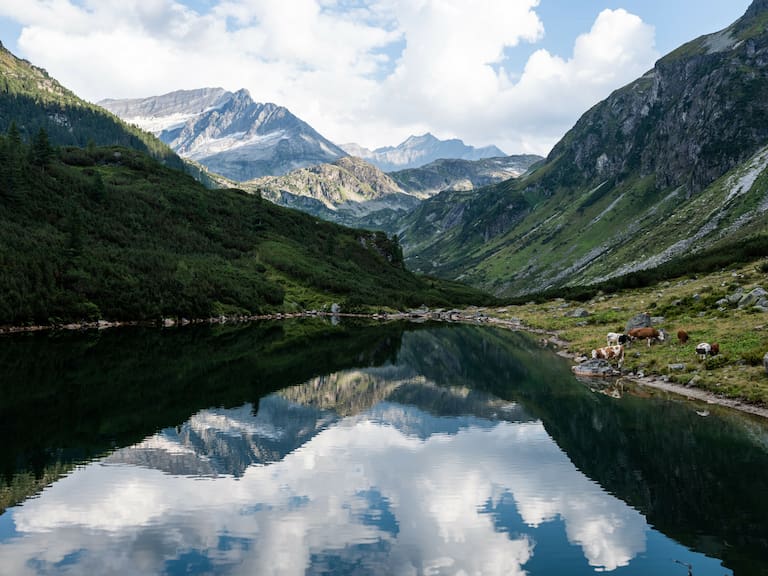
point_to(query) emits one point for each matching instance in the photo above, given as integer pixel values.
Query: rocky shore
(423, 314)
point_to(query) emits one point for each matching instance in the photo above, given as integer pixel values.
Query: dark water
(308, 448)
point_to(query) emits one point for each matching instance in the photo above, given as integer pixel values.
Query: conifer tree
(41, 151)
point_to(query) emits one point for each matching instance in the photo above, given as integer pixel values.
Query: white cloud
(372, 72)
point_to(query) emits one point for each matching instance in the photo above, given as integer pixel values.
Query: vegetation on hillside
(32, 100)
(91, 233)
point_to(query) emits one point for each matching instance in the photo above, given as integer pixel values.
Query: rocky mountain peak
(228, 132)
(757, 8)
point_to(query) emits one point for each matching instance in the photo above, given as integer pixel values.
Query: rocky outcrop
(688, 121)
(756, 299)
(349, 184)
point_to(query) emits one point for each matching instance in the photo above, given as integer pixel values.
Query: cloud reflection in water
(359, 492)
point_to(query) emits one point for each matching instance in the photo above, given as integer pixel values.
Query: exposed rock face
(417, 151)
(229, 133)
(349, 184)
(692, 118)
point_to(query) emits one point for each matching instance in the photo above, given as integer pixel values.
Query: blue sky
(514, 73)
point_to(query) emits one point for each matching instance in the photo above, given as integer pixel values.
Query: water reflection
(365, 491)
(411, 466)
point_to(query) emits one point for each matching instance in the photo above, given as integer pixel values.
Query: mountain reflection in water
(453, 457)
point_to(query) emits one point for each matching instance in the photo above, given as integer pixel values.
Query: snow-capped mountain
(417, 151)
(227, 132)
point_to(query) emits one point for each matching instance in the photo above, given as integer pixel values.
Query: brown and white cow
(705, 349)
(648, 333)
(610, 353)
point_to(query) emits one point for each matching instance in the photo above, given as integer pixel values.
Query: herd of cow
(616, 342)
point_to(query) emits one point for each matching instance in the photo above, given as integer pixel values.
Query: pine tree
(41, 151)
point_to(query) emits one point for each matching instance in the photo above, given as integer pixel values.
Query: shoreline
(650, 381)
(548, 338)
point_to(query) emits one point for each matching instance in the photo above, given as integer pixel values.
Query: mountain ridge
(416, 151)
(228, 132)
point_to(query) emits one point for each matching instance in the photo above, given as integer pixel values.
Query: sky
(512, 73)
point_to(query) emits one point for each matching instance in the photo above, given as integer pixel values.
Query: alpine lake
(311, 447)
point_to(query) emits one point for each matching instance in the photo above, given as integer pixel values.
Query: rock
(723, 302)
(639, 321)
(595, 368)
(760, 308)
(335, 308)
(577, 313)
(765, 362)
(656, 320)
(676, 367)
(736, 296)
(753, 297)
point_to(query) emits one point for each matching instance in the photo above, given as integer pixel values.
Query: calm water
(308, 448)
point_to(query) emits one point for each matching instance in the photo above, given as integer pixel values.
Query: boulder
(757, 294)
(595, 368)
(578, 313)
(736, 296)
(639, 321)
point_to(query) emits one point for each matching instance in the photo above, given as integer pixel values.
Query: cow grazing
(610, 353)
(682, 336)
(649, 333)
(616, 338)
(705, 349)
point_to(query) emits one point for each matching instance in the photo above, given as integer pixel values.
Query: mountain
(349, 185)
(349, 191)
(228, 132)
(417, 151)
(32, 100)
(668, 167)
(108, 233)
(455, 174)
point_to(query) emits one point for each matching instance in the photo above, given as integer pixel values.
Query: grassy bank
(688, 303)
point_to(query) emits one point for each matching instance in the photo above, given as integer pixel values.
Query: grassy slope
(584, 235)
(685, 302)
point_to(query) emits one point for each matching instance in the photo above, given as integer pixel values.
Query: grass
(687, 303)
